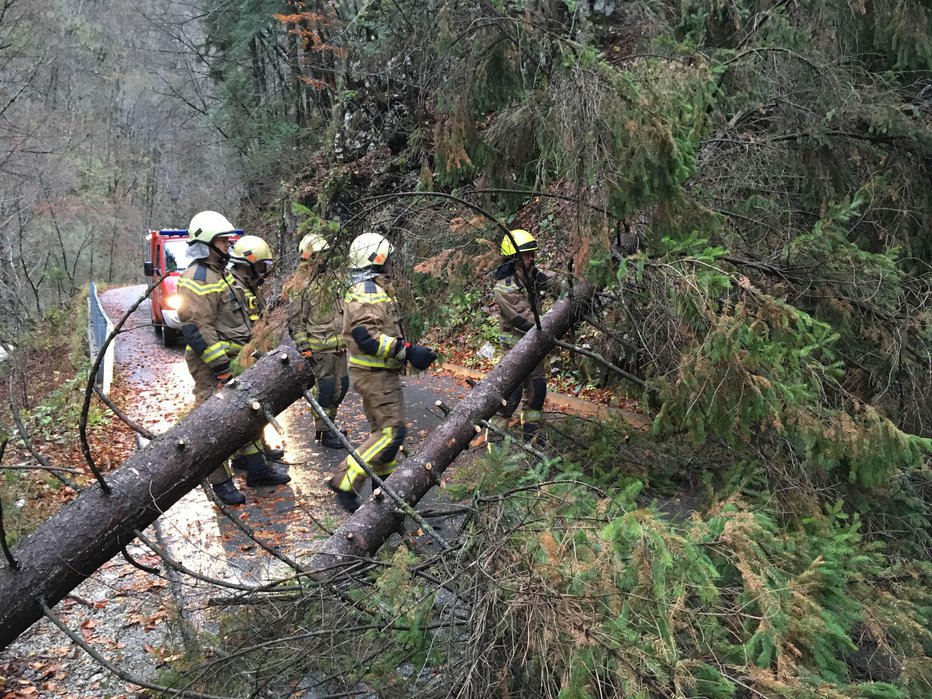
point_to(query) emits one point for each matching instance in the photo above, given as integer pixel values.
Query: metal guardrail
(99, 327)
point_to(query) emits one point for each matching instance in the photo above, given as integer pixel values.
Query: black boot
(273, 454)
(531, 432)
(258, 472)
(227, 492)
(345, 499)
(329, 439)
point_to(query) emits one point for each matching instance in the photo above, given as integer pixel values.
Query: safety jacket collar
(217, 266)
(505, 270)
(511, 270)
(362, 275)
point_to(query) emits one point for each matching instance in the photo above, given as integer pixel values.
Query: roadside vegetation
(746, 187)
(44, 381)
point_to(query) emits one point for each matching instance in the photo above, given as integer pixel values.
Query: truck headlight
(173, 302)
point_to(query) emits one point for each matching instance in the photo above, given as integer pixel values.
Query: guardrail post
(99, 327)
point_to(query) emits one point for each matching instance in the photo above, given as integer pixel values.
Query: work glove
(308, 355)
(236, 368)
(223, 377)
(541, 280)
(522, 324)
(420, 357)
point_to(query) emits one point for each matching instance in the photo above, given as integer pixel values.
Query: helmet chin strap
(361, 275)
(223, 257)
(255, 273)
(259, 278)
(253, 269)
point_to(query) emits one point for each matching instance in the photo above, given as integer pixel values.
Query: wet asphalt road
(291, 517)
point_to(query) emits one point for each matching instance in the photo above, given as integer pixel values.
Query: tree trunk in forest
(88, 532)
(371, 525)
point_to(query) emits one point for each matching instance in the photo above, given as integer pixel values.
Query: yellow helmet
(369, 250)
(311, 244)
(207, 225)
(253, 251)
(518, 240)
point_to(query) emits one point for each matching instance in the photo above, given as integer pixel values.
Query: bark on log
(369, 527)
(89, 531)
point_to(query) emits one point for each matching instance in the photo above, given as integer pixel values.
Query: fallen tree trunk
(89, 531)
(378, 518)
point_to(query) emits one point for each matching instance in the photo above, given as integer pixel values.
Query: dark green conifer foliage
(773, 159)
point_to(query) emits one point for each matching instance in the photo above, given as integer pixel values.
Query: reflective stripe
(346, 485)
(252, 303)
(370, 362)
(531, 415)
(317, 345)
(355, 471)
(367, 298)
(385, 345)
(203, 289)
(220, 349)
(215, 351)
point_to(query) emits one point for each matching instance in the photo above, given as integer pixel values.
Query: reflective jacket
(372, 326)
(213, 314)
(511, 295)
(254, 303)
(315, 316)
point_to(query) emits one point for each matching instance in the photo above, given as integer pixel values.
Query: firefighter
(215, 324)
(251, 260)
(251, 263)
(377, 356)
(516, 280)
(315, 321)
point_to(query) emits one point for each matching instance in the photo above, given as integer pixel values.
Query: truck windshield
(176, 255)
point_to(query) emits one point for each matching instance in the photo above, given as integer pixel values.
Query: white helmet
(311, 244)
(369, 250)
(207, 225)
(252, 249)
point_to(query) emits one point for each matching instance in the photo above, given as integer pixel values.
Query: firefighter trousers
(383, 404)
(332, 381)
(534, 390)
(205, 385)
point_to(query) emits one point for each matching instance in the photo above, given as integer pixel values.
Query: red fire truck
(166, 256)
